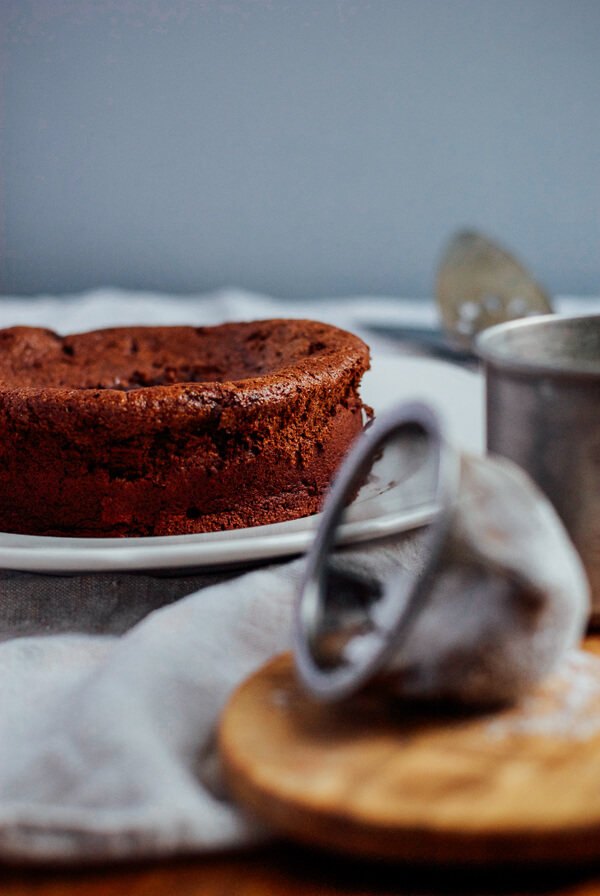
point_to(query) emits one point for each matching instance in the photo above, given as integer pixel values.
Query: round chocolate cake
(138, 431)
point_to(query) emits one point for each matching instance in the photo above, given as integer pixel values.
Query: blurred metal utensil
(498, 597)
(480, 284)
(429, 340)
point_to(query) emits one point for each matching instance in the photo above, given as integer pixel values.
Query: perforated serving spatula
(478, 284)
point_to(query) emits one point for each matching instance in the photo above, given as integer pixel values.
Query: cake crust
(137, 431)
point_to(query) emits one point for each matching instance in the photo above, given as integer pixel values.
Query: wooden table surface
(283, 868)
(287, 870)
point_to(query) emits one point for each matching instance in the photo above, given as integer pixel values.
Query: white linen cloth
(111, 684)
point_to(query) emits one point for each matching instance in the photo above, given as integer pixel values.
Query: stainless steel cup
(543, 412)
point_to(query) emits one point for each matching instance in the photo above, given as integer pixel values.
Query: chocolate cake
(169, 430)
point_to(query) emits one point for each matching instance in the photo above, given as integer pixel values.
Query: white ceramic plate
(457, 394)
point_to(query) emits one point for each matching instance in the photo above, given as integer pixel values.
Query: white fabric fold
(107, 746)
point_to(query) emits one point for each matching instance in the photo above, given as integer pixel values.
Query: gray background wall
(297, 147)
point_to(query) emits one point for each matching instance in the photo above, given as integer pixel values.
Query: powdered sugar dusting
(566, 706)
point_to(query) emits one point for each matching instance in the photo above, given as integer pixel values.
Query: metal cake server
(478, 284)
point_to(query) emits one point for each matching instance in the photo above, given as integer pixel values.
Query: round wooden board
(519, 785)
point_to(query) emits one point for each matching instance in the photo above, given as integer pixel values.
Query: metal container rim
(489, 348)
